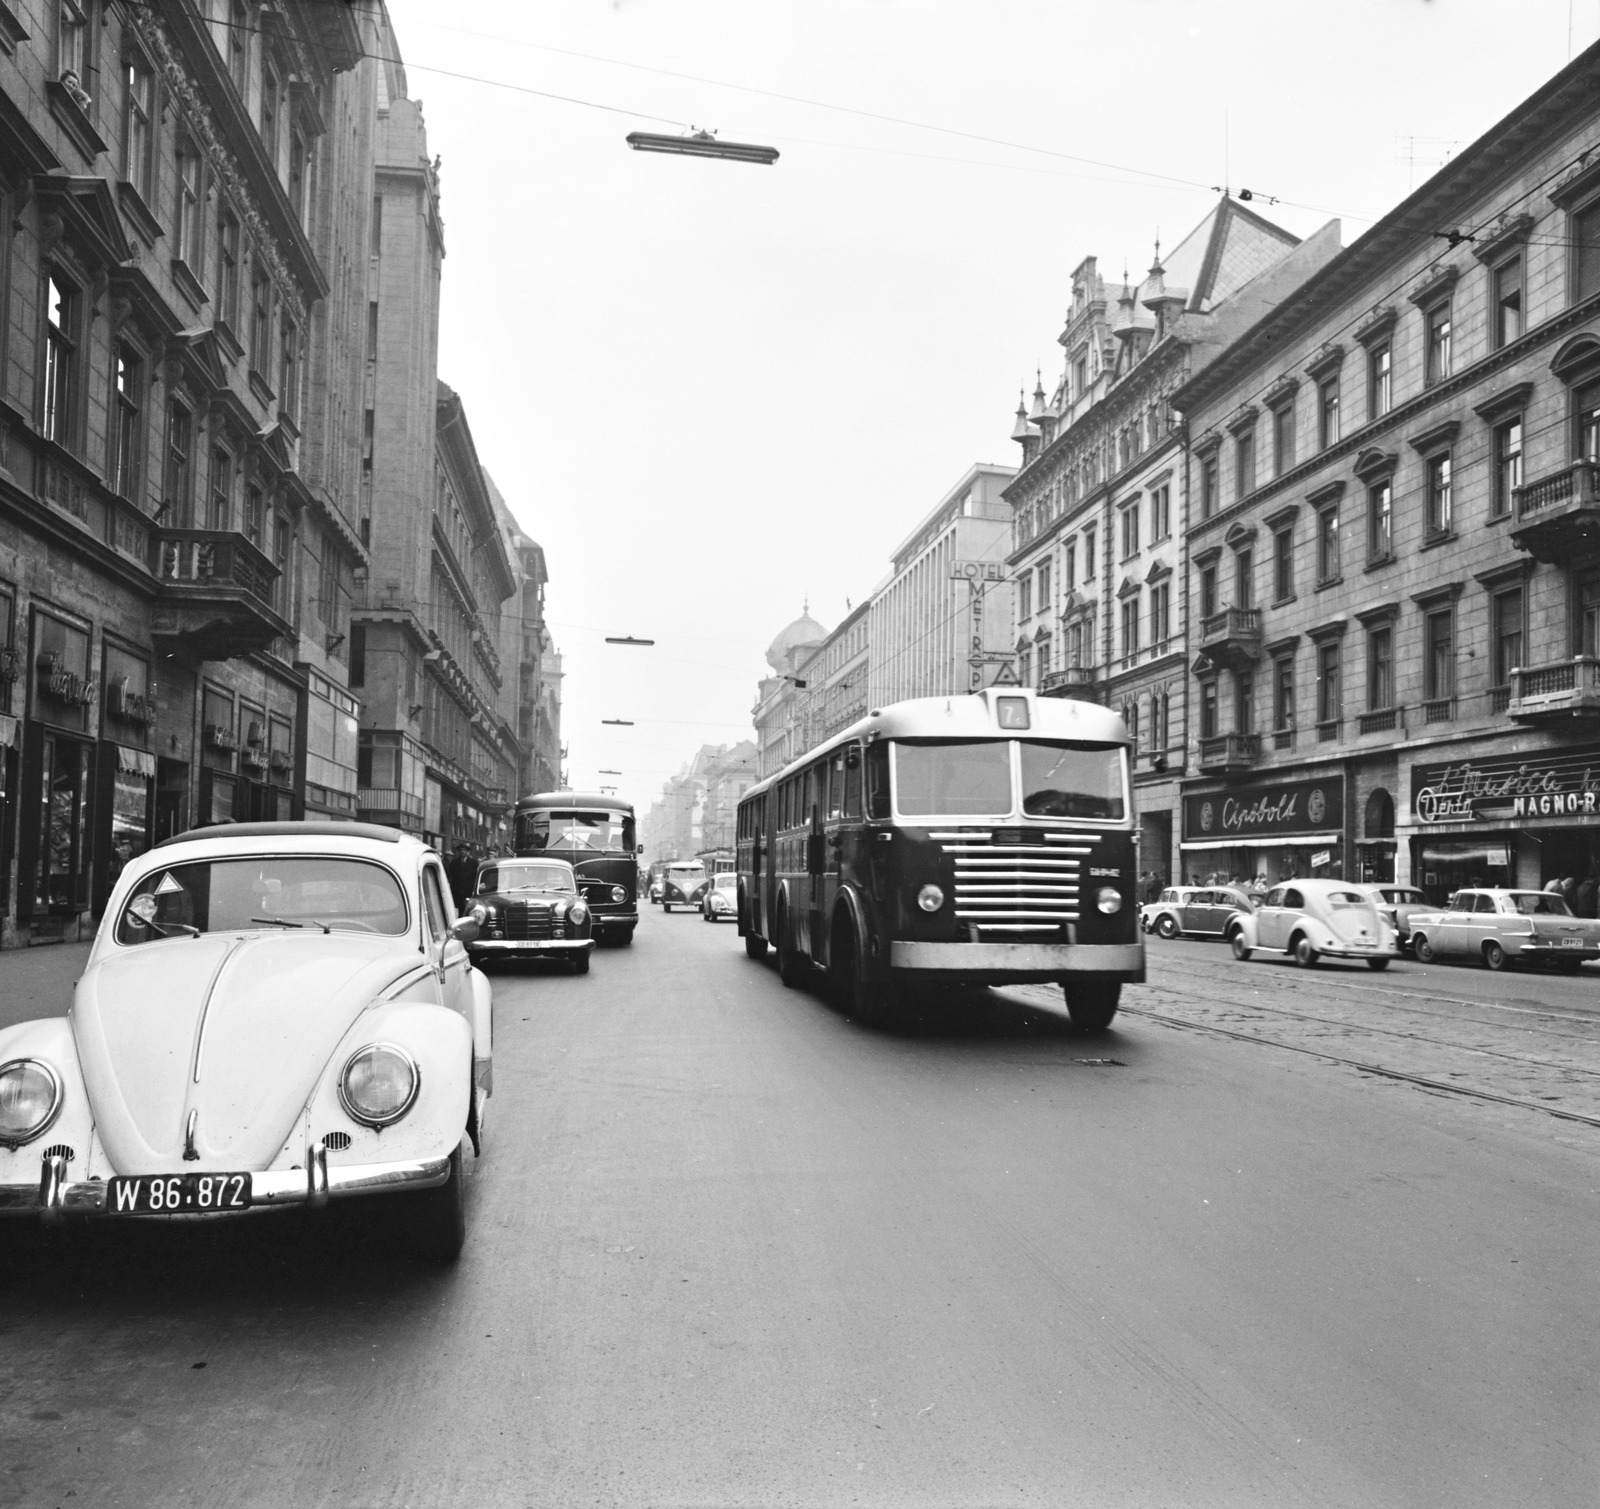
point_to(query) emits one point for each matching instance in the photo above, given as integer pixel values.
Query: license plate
(178, 1194)
(1572, 942)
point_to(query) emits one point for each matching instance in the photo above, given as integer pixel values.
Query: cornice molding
(1281, 392)
(1438, 597)
(1510, 400)
(1373, 463)
(1437, 286)
(1380, 614)
(1377, 327)
(1505, 234)
(1327, 360)
(1436, 437)
(1329, 492)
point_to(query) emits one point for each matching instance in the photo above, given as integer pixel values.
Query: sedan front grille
(527, 919)
(1017, 887)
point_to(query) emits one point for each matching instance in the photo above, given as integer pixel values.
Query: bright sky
(713, 390)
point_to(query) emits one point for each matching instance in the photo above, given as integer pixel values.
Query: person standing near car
(463, 875)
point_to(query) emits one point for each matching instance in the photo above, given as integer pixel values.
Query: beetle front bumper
(55, 1198)
(500, 947)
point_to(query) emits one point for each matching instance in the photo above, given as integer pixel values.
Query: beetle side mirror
(465, 929)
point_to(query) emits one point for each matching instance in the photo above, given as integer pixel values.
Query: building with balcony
(174, 509)
(780, 708)
(1393, 471)
(1098, 509)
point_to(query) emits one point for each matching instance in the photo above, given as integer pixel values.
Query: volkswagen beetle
(720, 900)
(271, 1015)
(1311, 920)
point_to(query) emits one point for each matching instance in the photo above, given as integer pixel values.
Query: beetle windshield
(525, 877)
(290, 891)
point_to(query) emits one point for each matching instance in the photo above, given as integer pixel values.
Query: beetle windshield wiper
(168, 928)
(289, 922)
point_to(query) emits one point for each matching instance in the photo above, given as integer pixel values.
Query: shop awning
(1295, 841)
(1498, 855)
(135, 761)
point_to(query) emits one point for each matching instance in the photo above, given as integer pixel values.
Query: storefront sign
(1508, 788)
(1321, 857)
(1266, 811)
(978, 571)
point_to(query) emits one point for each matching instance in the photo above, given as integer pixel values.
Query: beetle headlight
(619, 893)
(1109, 900)
(930, 898)
(379, 1084)
(30, 1099)
(579, 913)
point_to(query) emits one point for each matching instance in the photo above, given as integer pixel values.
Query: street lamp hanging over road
(701, 144)
(618, 722)
(626, 639)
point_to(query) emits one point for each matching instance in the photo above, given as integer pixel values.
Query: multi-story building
(779, 711)
(176, 536)
(533, 697)
(728, 775)
(941, 622)
(1095, 553)
(1394, 537)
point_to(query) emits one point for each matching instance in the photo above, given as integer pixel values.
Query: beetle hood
(235, 1028)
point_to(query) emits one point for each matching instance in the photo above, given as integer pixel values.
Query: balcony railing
(1283, 738)
(1439, 710)
(1499, 699)
(1382, 720)
(1230, 751)
(1231, 637)
(1560, 690)
(1077, 681)
(1559, 514)
(218, 592)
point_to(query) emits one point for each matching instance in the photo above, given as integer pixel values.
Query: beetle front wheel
(1305, 954)
(1241, 949)
(436, 1219)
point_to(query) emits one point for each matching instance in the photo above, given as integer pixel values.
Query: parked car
(1170, 895)
(1197, 912)
(272, 1014)
(720, 903)
(1312, 920)
(1399, 904)
(532, 910)
(1506, 927)
(683, 884)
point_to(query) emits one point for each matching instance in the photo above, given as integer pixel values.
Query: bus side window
(877, 762)
(836, 785)
(852, 781)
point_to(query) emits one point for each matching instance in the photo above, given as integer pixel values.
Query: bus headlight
(930, 898)
(1109, 900)
(619, 893)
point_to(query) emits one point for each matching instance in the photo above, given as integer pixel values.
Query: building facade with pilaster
(1394, 537)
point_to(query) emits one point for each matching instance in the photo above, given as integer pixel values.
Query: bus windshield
(594, 832)
(973, 778)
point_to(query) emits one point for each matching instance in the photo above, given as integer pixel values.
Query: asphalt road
(727, 1248)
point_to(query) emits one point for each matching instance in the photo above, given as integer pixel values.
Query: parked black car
(532, 910)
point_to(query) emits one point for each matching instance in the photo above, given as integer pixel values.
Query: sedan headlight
(930, 898)
(30, 1100)
(379, 1084)
(619, 893)
(579, 913)
(1109, 900)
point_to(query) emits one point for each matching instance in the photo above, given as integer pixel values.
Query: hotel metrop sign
(1509, 789)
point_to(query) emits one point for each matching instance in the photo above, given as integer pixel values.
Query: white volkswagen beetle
(1310, 920)
(272, 1014)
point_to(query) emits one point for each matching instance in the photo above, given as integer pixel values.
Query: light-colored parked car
(1170, 895)
(721, 900)
(1505, 927)
(1399, 904)
(532, 910)
(272, 1014)
(1312, 920)
(1197, 912)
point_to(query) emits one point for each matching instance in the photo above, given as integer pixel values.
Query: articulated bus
(594, 832)
(970, 840)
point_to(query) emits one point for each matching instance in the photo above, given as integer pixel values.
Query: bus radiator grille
(1017, 886)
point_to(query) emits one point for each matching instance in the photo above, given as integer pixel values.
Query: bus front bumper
(999, 962)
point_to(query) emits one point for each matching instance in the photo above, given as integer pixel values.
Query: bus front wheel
(1091, 1003)
(872, 1002)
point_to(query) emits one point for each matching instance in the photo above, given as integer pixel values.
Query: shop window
(1380, 815)
(61, 881)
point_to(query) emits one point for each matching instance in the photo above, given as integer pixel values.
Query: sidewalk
(38, 981)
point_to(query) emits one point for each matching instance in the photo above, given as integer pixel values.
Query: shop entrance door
(55, 849)
(172, 798)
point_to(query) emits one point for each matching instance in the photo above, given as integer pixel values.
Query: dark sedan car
(532, 910)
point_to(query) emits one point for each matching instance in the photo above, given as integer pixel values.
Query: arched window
(1380, 815)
